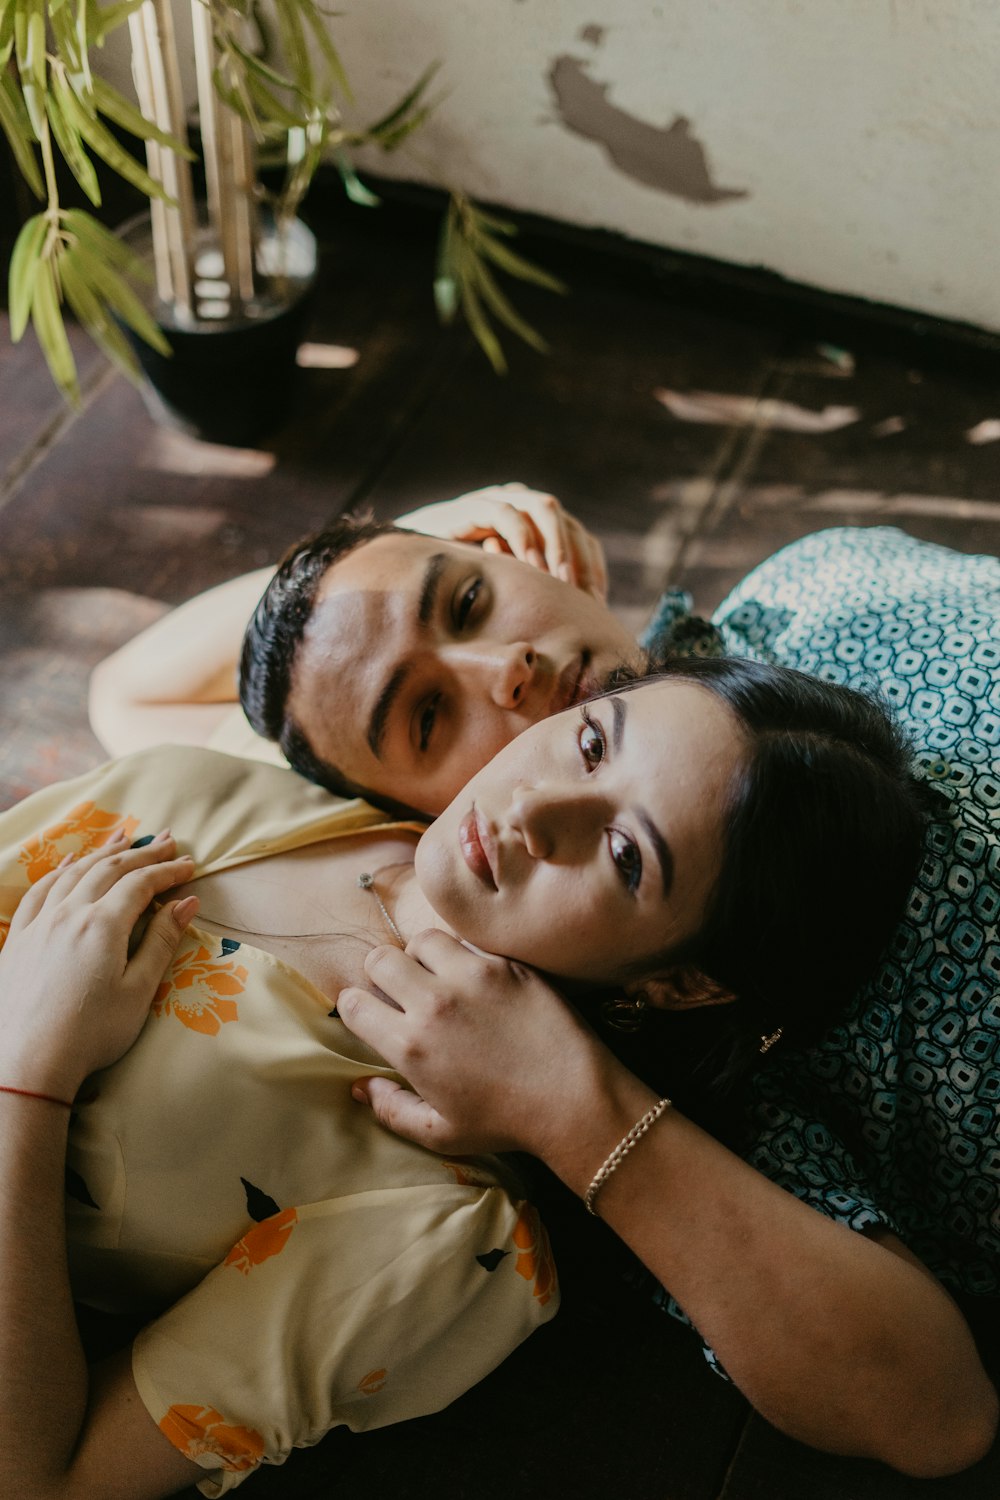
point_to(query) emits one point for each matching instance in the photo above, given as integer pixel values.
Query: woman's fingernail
(185, 910)
(67, 859)
(162, 836)
(358, 1094)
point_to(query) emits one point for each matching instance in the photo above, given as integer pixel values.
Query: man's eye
(428, 716)
(466, 602)
(593, 746)
(627, 859)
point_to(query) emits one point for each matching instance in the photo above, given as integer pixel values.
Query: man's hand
(496, 1057)
(528, 524)
(73, 997)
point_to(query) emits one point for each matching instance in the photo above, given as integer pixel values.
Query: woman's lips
(477, 846)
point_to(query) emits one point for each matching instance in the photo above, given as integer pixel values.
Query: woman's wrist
(607, 1102)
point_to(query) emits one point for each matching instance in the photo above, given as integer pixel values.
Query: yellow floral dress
(300, 1266)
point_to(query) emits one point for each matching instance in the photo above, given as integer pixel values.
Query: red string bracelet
(5, 1088)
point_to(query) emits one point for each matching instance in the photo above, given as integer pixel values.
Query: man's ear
(683, 987)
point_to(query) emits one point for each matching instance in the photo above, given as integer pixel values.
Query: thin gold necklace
(367, 883)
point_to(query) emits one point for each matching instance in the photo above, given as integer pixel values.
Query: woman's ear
(683, 987)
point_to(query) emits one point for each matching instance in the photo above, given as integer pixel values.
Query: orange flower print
(4, 929)
(201, 1429)
(372, 1383)
(198, 991)
(534, 1253)
(85, 828)
(266, 1239)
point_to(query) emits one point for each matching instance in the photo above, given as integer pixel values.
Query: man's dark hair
(274, 635)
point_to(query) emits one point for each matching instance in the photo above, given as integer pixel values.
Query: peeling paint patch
(593, 34)
(715, 408)
(668, 158)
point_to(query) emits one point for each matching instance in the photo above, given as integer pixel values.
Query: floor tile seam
(51, 434)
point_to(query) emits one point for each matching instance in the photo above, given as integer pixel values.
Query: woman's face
(592, 842)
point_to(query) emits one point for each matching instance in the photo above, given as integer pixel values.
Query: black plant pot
(231, 380)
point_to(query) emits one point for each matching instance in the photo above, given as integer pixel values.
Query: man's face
(422, 658)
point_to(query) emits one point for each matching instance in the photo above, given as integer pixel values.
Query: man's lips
(573, 684)
(478, 848)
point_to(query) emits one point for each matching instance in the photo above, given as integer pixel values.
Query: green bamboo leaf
(29, 47)
(6, 33)
(257, 65)
(118, 109)
(24, 262)
(490, 221)
(516, 265)
(55, 6)
(102, 142)
(391, 140)
(445, 298)
(102, 20)
(293, 41)
(69, 143)
(93, 316)
(17, 129)
(314, 21)
(501, 307)
(481, 330)
(65, 37)
(353, 186)
(81, 42)
(119, 296)
(47, 320)
(405, 104)
(101, 242)
(270, 106)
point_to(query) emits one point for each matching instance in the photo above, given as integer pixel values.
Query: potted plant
(231, 267)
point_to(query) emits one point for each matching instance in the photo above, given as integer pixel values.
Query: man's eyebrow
(380, 713)
(428, 589)
(379, 719)
(661, 847)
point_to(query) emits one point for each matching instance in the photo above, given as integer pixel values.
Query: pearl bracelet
(620, 1152)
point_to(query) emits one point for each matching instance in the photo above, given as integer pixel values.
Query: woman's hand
(497, 1058)
(528, 524)
(73, 997)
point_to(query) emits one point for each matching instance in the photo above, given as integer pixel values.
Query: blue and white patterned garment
(894, 1118)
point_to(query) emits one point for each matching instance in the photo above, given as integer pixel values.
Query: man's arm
(175, 682)
(71, 1000)
(839, 1340)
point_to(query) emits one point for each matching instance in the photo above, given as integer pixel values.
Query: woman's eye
(428, 716)
(628, 860)
(592, 743)
(466, 602)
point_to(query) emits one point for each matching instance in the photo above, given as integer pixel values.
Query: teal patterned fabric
(894, 1119)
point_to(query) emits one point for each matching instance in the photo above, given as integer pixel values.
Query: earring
(767, 1042)
(624, 1013)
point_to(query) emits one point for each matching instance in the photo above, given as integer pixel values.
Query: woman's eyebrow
(661, 849)
(618, 711)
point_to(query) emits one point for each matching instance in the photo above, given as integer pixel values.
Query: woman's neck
(397, 888)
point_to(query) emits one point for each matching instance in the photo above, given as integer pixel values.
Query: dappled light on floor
(326, 357)
(174, 453)
(719, 409)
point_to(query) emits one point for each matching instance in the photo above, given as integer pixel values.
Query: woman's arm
(175, 682)
(840, 1341)
(71, 1002)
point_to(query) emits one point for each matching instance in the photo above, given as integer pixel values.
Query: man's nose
(554, 821)
(501, 671)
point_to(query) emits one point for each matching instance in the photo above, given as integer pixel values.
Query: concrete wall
(854, 146)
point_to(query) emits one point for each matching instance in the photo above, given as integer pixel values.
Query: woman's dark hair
(823, 835)
(273, 637)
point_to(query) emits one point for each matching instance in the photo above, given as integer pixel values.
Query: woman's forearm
(836, 1339)
(43, 1375)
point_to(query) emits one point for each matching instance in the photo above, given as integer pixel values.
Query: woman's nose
(551, 820)
(499, 671)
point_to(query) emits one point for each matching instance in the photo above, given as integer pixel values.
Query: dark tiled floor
(107, 520)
